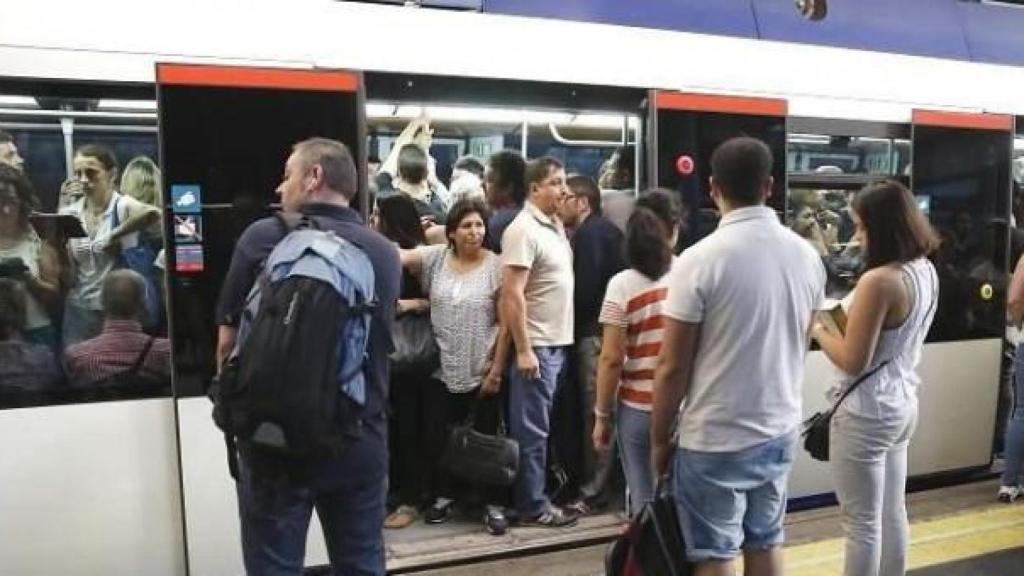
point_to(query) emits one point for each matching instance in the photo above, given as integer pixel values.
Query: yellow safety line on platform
(932, 542)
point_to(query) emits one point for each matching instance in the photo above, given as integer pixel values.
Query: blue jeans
(529, 420)
(633, 429)
(729, 500)
(1014, 446)
(348, 493)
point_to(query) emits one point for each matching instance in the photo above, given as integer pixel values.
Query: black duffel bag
(481, 458)
(653, 543)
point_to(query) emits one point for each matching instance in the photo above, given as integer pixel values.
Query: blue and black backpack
(296, 380)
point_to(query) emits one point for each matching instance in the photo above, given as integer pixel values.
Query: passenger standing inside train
(463, 280)
(1010, 488)
(348, 490)
(410, 170)
(26, 258)
(95, 255)
(633, 329)
(738, 315)
(537, 288)
(618, 186)
(505, 187)
(889, 317)
(597, 256)
(412, 402)
(9, 152)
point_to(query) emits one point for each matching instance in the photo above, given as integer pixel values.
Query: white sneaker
(1009, 493)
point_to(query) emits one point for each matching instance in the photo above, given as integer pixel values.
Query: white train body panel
(99, 488)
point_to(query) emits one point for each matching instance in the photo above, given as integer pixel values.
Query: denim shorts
(728, 501)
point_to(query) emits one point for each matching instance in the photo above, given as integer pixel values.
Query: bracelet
(598, 413)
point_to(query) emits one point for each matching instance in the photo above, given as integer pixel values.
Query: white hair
(467, 185)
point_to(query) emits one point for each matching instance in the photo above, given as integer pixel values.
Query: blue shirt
(497, 224)
(259, 239)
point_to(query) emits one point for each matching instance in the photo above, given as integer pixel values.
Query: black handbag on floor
(653, 543)
(815, 429)
(481, 458)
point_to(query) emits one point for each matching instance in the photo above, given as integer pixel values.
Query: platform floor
(955, 531)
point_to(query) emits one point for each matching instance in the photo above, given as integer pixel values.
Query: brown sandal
(402, 517)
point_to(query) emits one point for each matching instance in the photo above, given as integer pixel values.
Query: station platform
(959, 530)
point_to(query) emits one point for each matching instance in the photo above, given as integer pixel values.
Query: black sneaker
(554, 518)
(495, 521)
(439, 512)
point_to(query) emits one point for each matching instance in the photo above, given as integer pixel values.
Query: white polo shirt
(753, 285)
(537, 241)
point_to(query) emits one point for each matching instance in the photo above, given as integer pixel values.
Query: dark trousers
(417, 404)
(456, 409)
(348, 494)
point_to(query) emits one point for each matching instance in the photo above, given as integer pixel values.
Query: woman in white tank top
(889, 318)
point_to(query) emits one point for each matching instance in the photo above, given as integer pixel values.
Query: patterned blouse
(463, 314)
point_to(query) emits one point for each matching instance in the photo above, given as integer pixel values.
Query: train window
(82, 314)
(825, 171)
(695, 136)
(584, 142)
(962, 178)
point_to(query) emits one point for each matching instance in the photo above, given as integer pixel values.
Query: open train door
(684, 129)
(961, 174)
(225, 133)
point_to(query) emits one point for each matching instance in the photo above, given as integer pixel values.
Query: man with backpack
(304, 331)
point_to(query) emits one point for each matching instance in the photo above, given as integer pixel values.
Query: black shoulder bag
(652, 544)
(815, 429)
(481, 458)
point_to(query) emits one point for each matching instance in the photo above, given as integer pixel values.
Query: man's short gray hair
(124, 295)
(335, 159)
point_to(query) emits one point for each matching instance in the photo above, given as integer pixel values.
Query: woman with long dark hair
(891, 312)
(632, 331)
(398, 220)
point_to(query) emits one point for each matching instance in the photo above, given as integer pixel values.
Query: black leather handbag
(416, 349)
(815, 429)
(481, 458)
(652, 544)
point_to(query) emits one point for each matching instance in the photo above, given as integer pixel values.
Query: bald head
(124, 295)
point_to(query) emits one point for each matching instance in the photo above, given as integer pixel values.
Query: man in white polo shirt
(537, 288)
(739, 308)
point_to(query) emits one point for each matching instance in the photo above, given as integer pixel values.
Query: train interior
(233, 149)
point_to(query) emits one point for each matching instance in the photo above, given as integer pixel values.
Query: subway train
(128, 480)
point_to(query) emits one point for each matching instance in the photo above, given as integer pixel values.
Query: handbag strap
(853, 386)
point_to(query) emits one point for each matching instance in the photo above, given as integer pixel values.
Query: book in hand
(833, 313)
(66, 225)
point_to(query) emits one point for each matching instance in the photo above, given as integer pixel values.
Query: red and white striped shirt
(633, 301)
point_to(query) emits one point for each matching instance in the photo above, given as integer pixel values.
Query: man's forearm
(515, 315)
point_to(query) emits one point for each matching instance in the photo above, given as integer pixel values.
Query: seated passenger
(25, 258)
(122, 349)
(111, 221)
(23, 365)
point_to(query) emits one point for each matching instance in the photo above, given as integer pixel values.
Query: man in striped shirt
(122, 343)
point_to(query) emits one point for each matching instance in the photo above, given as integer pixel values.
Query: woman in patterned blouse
(463, 280)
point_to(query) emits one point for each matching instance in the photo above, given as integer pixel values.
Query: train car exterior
(141, 487)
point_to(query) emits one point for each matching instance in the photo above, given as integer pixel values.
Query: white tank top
(888, 391)
(28, 250)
